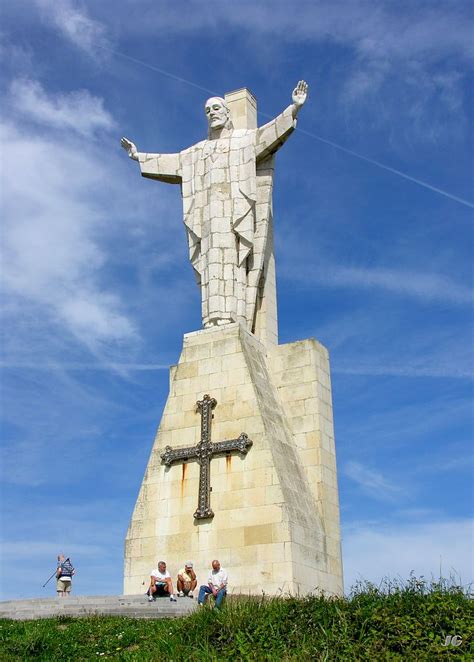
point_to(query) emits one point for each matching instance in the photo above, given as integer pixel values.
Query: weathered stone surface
(243, 109)
(226, 185)
(276, 523)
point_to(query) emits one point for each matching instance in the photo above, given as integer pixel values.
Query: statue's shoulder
(194, 147)
(241, 138)
(242, 133)
(192, 154)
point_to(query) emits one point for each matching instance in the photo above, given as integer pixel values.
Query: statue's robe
(226, 186)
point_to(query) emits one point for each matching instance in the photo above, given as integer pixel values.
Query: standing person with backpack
(64, 574)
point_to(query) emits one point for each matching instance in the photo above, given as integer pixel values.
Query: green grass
(395, 621)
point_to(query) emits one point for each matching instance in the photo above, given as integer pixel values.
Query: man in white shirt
(217, 585)
(161, 584)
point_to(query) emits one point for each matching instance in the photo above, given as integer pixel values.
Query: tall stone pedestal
(276, 522)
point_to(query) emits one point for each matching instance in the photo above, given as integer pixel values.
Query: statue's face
(216, 112)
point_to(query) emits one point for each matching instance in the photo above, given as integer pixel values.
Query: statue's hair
(222, 100)
(228, 124)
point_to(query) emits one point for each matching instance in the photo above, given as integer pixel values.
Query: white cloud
(20, 57)
(22, 550)
(358, 344)
(61, 416)
(405, 427)
(374, 31)
(76, 218)
(75, 24)
(55, 193)
(414, 284)
(372, 482)
(77, 111)
(93, 541)
(393, 51)
(378, 550)
(87, 312)
(432, 368)
(111, 366)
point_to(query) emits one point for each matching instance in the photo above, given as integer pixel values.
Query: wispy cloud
(435, 370)
(460, 459)
(374, 31)
(384, 166)
(393, 53)
(402, 282)
(65, 420)
(405, 426)
(93, 541)
(110, 366)
(378, 550)
(50, 255)
(358, 343)
(372, 482)
(75, 24)
(74, 111)
(22, 550)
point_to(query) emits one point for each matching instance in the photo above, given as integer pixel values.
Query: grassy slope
(397, 622)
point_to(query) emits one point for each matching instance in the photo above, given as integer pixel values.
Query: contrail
(158, 70)
(351, 152)
(83, 366)
(390, 169)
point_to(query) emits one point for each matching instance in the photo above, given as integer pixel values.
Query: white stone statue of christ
(226, 183)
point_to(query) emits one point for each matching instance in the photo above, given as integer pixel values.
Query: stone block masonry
(276, 514)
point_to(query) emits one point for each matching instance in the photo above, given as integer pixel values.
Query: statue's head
(217, 113)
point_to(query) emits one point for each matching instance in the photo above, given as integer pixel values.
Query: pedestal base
(276, 523)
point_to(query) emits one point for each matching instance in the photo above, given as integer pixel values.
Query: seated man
(187, 581)
(161, 585)
(217, 585)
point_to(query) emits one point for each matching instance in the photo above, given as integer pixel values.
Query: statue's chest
(216, 153)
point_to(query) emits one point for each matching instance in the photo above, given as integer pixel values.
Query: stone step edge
(95, 609)
(75, 598)
(129, 614)
(102, 605)
(92, 603)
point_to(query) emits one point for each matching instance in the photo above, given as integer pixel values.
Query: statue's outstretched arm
(271, 136)
(164, 167)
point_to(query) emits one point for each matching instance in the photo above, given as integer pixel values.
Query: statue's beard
(216, 129)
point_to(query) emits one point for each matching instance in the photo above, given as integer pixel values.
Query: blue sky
(97, 291)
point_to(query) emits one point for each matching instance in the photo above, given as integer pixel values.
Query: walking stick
(47, 582)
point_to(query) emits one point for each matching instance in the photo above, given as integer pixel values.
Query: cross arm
(171, 455)
(242, 444)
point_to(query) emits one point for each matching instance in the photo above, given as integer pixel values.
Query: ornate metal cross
(203, 453)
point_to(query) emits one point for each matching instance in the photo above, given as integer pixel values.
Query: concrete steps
(132, 606)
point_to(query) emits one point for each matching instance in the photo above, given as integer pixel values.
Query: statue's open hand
(130, 148)
(300, 93)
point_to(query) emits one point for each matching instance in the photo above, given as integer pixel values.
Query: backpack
(67, 569)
